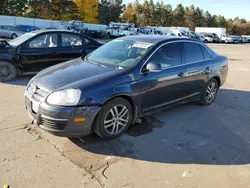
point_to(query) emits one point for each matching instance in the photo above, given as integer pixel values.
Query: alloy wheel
(116, 119)
(211, 92)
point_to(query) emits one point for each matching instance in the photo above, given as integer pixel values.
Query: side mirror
(153, 67)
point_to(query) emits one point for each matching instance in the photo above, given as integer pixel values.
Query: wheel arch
(217, 78)
(130, 99)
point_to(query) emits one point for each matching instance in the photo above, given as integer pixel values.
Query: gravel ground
(188, 146)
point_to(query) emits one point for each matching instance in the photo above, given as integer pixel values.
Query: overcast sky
(227, 8)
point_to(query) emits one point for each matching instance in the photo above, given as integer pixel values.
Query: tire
(209, 91)
(114, 127)
(226, 41)
(8, 71)
(206, 41)
(14, 35)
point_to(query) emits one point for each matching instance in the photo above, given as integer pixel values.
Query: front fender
(101, 95)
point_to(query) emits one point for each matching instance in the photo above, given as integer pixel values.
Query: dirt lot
(189, 146)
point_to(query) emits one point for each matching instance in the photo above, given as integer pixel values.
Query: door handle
(181, 74)
(208, 70)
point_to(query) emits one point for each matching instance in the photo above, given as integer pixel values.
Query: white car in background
(179, 32)
(10, 31)
(208, 37)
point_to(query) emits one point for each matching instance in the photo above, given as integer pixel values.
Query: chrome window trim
(182, 54)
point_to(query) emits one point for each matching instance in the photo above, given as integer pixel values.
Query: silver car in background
(208, 37)
(10, 31)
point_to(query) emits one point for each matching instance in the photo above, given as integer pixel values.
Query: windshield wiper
(91, 62)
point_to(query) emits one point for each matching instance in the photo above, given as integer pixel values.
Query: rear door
(198, 62)
(40, 52)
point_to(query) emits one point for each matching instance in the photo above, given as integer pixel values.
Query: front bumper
(60, 121)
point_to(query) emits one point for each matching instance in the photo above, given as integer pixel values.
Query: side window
(168, 55)
(206, 54)
(192, 52)
(43, 41)
(69, 39)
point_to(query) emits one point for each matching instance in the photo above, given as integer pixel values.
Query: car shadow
(189, 134)
(20, 81)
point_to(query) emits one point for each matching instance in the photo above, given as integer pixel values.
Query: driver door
(40, 52)
(168, 85)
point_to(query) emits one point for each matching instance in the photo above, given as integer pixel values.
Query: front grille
(39, 94)
(58, 125)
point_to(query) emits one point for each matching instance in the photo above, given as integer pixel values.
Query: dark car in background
(39, 49)
(123, 80)
(27, 28)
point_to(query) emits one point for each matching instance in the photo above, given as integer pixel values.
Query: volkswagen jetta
(123, 80)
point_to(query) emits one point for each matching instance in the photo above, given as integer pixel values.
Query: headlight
(68, 97)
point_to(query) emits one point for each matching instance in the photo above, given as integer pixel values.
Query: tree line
(142, 14)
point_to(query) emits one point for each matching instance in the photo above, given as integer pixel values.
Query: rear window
(206, 54)
(192, 52)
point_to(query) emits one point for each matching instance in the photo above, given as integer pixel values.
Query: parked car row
(213, 38)
(216, 34)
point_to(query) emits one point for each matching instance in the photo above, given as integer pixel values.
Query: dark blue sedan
(123, 80)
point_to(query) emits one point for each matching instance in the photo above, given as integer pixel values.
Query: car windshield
(19, 40)
(121, 53)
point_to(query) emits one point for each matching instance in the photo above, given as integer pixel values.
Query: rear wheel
(14, 35)
(8, 71)
(113, 119)
(210, 92)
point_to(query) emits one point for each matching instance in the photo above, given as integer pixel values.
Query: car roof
(156, 38)
(51, 30)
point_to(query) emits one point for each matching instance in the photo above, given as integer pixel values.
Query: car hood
(76, 73)
(4, 45)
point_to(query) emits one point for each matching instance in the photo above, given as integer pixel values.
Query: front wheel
(113, 119)
(210, 92)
